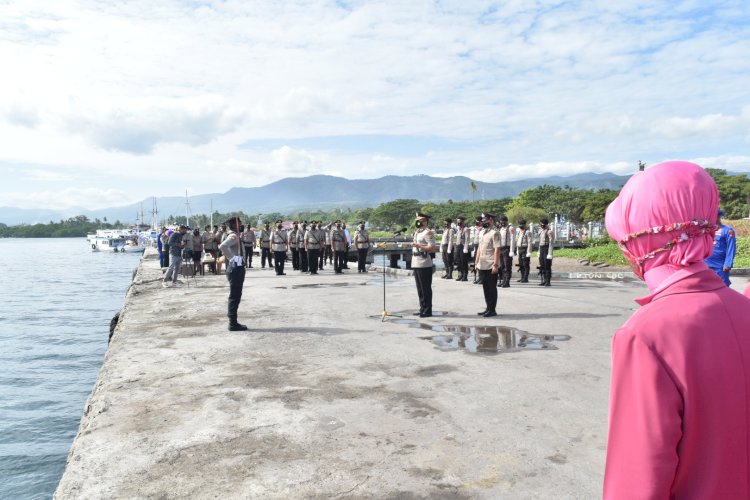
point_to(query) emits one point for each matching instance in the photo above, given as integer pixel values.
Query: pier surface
(320, 399)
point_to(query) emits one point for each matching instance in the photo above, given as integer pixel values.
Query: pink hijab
(672, 192)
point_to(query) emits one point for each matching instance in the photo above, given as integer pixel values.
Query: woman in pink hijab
(679, 412)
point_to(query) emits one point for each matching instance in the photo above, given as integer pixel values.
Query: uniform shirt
(231, 246)
(524, 243)
(279, 240)
(338, 240)
(197, 246)
(293, 238)
(447, 240)
(248, 238)
(187, 239)
(506, 236)
(476, 234)
(312, 240)
(463, 238)
(488, 242)
(301, 238)
(265, 238)
(420, 258)
(362, 239)
(547, 237)
(724, 249)
(208, 240)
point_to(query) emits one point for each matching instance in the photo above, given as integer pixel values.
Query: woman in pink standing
(679, 413)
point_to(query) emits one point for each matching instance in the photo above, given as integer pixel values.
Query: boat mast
(187, 209)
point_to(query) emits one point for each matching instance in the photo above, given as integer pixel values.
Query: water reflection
(488, 339)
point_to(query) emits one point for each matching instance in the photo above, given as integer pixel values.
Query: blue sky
(107, 103)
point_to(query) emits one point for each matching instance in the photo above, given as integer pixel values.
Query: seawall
(322, 399)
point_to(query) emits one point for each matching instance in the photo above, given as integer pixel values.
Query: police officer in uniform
(476, 232)
(301, 247)
(362, 244)
(265, 246)
(721, 260)
(312, 246)
(446, 248)
(487, 261)
(463, 249)
(507, 246)
(338, 241)
(524, 242)
(280, 246)
(546, 243)
(232, 249)
(248, 241)
(423, 244)
(322, 232)
(293, 234)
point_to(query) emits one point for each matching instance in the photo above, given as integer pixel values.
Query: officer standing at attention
(507, 247)
(232, 249)
(312, 247)
(487, 260)
(338, 240)
(322, 237)
(209, 245)
(293, 234)
(446, 248)
(524, 242)
(265, 246)
(423, 243)
(546, 243)
(301, 247)
(463, 249)
(725, 245)
(327, 251)
(280, 246)
(248, 241)
(476, 235)
(362, 244)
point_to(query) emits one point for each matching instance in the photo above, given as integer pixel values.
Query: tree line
(575, 205)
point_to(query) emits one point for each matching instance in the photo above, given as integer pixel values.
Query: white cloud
(91, 198)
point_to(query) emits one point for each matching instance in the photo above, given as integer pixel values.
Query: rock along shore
(322, 399)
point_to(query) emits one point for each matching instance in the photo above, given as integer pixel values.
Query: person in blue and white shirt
(725, 245)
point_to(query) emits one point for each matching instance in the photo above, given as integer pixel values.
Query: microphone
(400, 231)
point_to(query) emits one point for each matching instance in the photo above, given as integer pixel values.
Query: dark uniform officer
(233, 250)
(487, 261)
(546, 243)
(524, 242)
(423, 243)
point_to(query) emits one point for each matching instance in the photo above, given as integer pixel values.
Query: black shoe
(445, 277)
(542, 283)
(425, 315)
(418, 313)
(547, 284)
(505, 285)
(520, 280)
(489, 314)
(237, 327)
(482, 313)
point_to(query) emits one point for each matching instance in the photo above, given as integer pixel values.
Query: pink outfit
(747, 291)
(679, 415)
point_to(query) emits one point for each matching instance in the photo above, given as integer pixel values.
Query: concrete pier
(321, 399)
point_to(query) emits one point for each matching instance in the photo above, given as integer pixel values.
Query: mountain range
(295, 194)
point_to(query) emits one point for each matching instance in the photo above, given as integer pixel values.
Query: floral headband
(689, 229)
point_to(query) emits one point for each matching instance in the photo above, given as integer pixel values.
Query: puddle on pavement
(320, 285)
(388, 282)
(488, 339)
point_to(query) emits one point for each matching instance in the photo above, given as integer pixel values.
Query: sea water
(58, 298)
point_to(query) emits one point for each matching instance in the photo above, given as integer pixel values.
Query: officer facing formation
(232, 249)
(423, 243)
(524, 245)
(487, 262)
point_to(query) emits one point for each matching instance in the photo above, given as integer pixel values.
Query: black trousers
(322, 258)
(545, 264)
(362, 260)
(524, 266)
(236, 278)
(462, 262)
(338, 260)
(303, 260)
(447, 259)
(295, 259)
(506, 264)
(489, 285)
(265, 254)
(313, 255)
(328, 255)
(249, 256)
(423, 279)
(278, 261)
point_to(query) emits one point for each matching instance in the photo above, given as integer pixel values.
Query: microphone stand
(385, 315)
